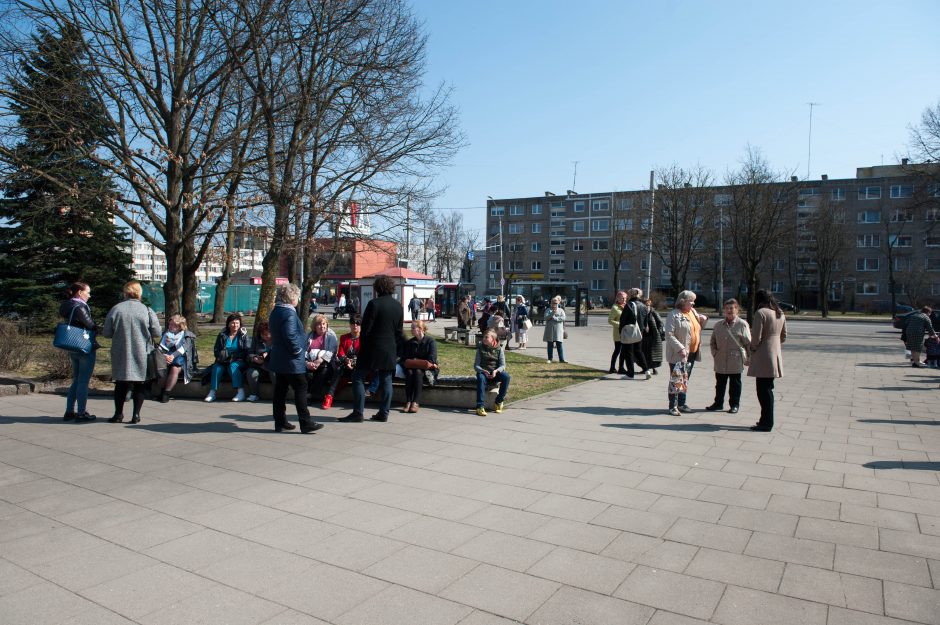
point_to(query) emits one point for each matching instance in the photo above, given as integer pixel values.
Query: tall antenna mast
(809, 155)
(574, 179)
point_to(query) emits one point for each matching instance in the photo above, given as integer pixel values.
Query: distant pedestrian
(767, 337)
(464, 313)
(340, 308)
(653, 338)
(634, 320)
(415, 306)
(731, 350)
(554, 333)
(613, 318)
(521, 322)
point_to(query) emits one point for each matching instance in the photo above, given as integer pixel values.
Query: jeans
(734, 392)
(83, 365)
(253, 378)
(482, 381)
(384, 377)
(561, 349)
(765, 396)
(234, 369)
(297, 382)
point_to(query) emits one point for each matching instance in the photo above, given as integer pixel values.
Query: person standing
(917, 328)
(340, 308)
(431, 309)
(76, 312)
(683, 339)
(554, 333)
(286, 360)
(634, 314)
(767, 337)
(613, 318)
(653, 338)
(414, 307)
(464, 314)
(132, 327)
(519, 321)
(730, 346)
(380, 343)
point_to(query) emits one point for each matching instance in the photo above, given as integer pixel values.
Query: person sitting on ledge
(490, 365)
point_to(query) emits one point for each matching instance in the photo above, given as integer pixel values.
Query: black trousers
(298, 383)
(615, 357)
(414, 382)
(138, 393)
(765, 396)
(632, 353)
(734, 392)
(318, 380)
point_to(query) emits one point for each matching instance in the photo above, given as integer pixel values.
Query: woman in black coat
(421, 347)
(653, 338)
(634, 312)
(76, 313)
(380, 343)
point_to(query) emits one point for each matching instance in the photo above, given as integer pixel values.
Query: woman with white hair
(554, 333)
(683, 342)
(634, 317)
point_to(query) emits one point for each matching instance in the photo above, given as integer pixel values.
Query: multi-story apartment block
(149, 262)
(602, 240)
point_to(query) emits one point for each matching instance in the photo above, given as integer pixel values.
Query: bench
(450, 392)
(461, 335)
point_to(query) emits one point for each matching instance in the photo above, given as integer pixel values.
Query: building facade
(888, 216)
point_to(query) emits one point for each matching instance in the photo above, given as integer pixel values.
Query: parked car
(788, 307)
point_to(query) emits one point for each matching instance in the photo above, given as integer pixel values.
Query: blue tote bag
(71, 338)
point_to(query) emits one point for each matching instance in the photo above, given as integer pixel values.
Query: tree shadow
(899, 421)
(611, 411)
(903, 464)
(890, 365)
(678, 427)
(894, 388)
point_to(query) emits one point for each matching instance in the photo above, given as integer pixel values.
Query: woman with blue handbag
(77, 314)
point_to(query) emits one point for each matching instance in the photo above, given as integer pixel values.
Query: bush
(56, 363)
(15, 353)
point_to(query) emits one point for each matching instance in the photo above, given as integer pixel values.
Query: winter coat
(81, 318)
(554, 325)
(918, 326)
(190, 355)
(627, 317)
(288, 341)
(132, 328)
(653, 340)
(381, 338)
(767, 336)
(330, 346)
(464, 315)
(730, 346)
(679, 335)
(613, 318)
(240, 353)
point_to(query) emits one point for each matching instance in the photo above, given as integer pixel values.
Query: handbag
(678, 379)
(71, 338)
(527, 323)
(631, 334)
(156, 364)
(564, 334)
(418, 363)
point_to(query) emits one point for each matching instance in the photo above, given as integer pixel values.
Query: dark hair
(383, 286)
(231, 318)
(356, 319)
(764, 299)
(76, 288)
(263, 327)
(732, 302)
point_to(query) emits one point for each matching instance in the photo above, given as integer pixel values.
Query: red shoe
(327, 402)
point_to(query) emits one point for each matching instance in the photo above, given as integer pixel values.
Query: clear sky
(627, 86)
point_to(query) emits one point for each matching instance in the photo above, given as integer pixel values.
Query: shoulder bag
(71, 338)
(418, 363)
(631, 334)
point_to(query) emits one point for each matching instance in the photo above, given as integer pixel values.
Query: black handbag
(156, 364)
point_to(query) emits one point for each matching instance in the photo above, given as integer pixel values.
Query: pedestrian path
(590, 505)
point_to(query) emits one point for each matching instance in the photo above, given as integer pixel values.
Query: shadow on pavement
(890, 365)
(197, 428)
(613, 411)
(903, 464)
(6, 420)
(899, 421)
(896, 388)
(678, 427)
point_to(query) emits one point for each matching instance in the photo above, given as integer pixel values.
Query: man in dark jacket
(634, 312)
(464, 313)
(380, 343)
(286, 361)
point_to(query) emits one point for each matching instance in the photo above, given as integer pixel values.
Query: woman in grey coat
(554, 333)
(918, 327)
(730, 345)
(132, 327)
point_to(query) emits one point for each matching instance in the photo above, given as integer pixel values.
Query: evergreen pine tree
(56, 225)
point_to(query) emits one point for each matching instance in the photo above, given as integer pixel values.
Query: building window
(626, 204)
(899, 191)
(516, 265)
(902, 263)
(556, 272)
(598, 285)
(536, 247)
(557, 262)
(869, 217)
(558, 252)
(577, 226)
(868, 240)
(625, 265)
(900, 240)
(515, 247)
(600, 264)
(643, 264)
(867, 264)
(536, 209)
(933, 190)
(866, 288)
(600, 205)
(494, 265)
(805, 193)
(932, 241)
(695, 265)
(600, 225)
(536, 228)
(869, 193)
(557, 205)
(577, 265)
(556, 233)
(837, 195)
(577, 246)
(933, 214)
(902, 215)
(579, 207)
(623, 224)
(515, 210)
(536, 265)
(722, 199)
(600, 246)
(780, 265)
(516, 228)
(497, 211)
(665, 272)
(932, 264)
(624, 246)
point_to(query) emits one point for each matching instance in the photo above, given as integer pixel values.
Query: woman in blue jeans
(231, 351)
(75, 312)
(490, 365)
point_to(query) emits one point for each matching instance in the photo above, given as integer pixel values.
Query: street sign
(502, 282)
(470, 255)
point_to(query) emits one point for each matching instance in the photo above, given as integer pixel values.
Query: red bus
(448, 294)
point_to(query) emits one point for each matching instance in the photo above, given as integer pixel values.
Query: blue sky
(624, 87)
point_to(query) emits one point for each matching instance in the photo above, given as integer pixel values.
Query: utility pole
(649, 258)
(408, 231)
(809, 155)
(574, 179)
(721, 255)
(502, 269)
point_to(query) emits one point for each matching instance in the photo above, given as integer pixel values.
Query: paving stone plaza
(588, 506)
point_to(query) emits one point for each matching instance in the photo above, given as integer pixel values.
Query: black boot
(135, 418)
(164, 397)
(118, 418)
(68, 416)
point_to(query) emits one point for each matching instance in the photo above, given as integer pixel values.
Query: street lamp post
(502, 269)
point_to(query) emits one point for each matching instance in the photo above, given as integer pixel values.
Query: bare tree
(623, 235)
(829, 231)
(761, 201)
(683, 210)
(924, 142)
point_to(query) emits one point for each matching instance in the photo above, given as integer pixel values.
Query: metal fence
(238, 297)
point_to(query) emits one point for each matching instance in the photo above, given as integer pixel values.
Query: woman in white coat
(683, 342)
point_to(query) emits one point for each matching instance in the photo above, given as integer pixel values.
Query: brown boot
(414, 407)
(407, 407)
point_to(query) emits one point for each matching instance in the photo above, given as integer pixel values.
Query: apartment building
(889, 213)
(149, 262)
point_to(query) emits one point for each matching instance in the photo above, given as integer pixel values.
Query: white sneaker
(549, 360)
(210, 396)
(240, 395)
(252, 398)
(649, 376)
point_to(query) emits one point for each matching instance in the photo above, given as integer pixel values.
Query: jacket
(679, 335)
(242, 349)
(288, 340)
(425, 349)
(189, 353)
(464, 315)
(132, 328)
(767, 337)
(330, 346)
(613, 318)
(627, 317)
(381, 337)
(81, 318)
(554, 325)
(500, 356)
(730, 346)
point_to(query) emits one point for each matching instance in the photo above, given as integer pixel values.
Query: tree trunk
(190, 283)
(221, 288)
(171, 288)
